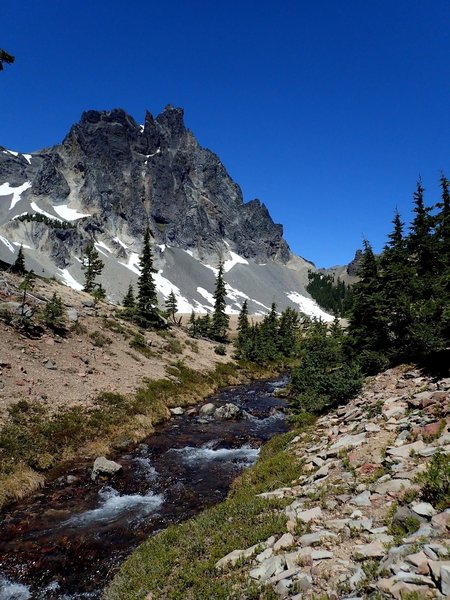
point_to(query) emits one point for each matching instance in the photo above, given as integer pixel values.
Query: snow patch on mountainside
(309, 307)
(206, 295)
(68, 280)
(6, 190)
(39, 210)
(69, 214)
(234, 260)
(7, 243)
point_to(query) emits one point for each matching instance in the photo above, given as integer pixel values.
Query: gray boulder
(228, 411)
(103, 466)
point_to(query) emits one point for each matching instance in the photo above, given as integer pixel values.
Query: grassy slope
(34, 441)
(178, 563)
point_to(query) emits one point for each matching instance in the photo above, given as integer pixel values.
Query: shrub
(220, 350)
(99, 339)
(436, 481)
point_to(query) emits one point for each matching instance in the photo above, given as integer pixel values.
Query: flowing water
(67, 541)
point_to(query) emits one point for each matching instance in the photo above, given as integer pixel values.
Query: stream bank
(67, 541)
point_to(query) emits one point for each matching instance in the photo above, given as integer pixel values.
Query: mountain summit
(110, 178)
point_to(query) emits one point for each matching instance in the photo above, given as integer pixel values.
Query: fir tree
(27, 286)
(129, 301)
(92, 265)
(147, 299)
(19, 264)
(243, 327)
(288, 332)
(422, 245)
(99, 293)
(53, 313)
(171, 306)
(368, 321)
(396, 278)
(5, 57)
(192, 325)
(443, 225)
(220, 320)
(203, 326)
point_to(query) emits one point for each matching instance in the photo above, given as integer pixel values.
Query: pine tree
(368, 327)
(396, 278)
(147, 299)
(171, 306)
(129, 301)
(5, 57)
(192, 325)
(443, 225)
(288, 332)
(243, 327)
(26, 287)
(203, 326)
(92, 265)
(53, 313)
(19, 264)
(99, 293)
(421, 244)
(220, 320)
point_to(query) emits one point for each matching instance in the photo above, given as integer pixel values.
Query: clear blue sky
(326, 110)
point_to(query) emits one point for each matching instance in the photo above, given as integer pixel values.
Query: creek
(67, 541)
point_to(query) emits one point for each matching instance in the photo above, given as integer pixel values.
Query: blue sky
(328, 111)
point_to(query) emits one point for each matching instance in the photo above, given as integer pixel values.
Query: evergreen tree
(325, 376)
(243, 327)
(99, 293)
(129, 301)
(92, 265)
(171, 306)
(220, 320)
(396, 278)
(443, 226)
(53, 313)
(27, 286)
(192, 325)
(5, 57)
(19, 264)
(203, 326)
(422, 245)
(288, 332)
(147, 299)
(368, 325)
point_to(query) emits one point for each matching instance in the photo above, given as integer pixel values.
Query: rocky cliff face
(111, 177)
(126, 176)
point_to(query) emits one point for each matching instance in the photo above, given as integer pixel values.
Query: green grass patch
(435, 481)
(178, 563)
(34, 439)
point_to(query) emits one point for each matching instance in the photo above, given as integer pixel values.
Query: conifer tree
(288, 331)
(19, 264)
(171, 306)
(243, 327)
(368, 321)
(147, 299)
(220, 320)
(192, 325)
(99, 293)
(129, 301)
(422, 244)
(203, 326)
(53, 313)
(443, 225)
(92, 265)
(5, 57)
(26, 287)
(396, 278)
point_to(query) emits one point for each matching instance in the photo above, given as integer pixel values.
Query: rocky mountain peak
(111, 177)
